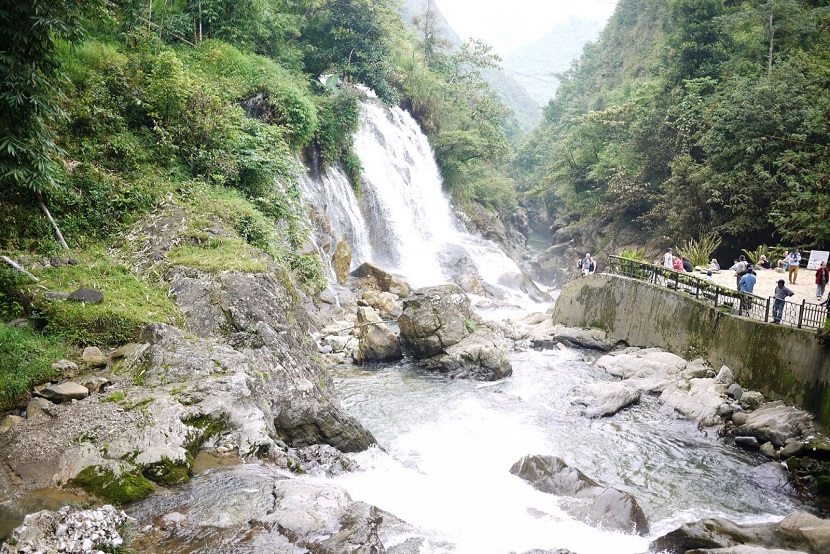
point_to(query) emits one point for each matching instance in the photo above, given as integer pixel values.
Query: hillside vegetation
(694, 115)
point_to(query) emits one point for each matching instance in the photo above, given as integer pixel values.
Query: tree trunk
(19, 268)
(58, 233)
(771, 44)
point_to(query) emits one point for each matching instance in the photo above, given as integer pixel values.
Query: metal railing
(803, 315)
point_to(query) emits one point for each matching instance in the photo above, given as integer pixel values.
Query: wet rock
(800, 531)
(743, 549)
(606, 398)
(336, 342)
(9, 422)
(748, 443)
(324, 349)
(324, 460)
(725, 376)
(478, 356)
(646, 363)
(739, 418)
(725, 410)
(65, 366)
(376, 342)
(368, 275)
(735, 391)
(750, 400)
(433, 319)
(606, 507)
(385, 303)
(791, 449)
(63, 392)
(87, 296)
(776, 422)
(773, 476)
(341, 260)
(93, 357)
(768, 450)
(700, 401)
(593, 339)
(39, 409)
(69, 530)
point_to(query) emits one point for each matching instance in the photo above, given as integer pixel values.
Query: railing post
(801, 314)
(766, 312)
(716, 298)
(676, 281)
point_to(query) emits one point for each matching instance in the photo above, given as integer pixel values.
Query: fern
(699, 251)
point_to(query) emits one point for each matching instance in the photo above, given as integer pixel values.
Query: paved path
(805, 287)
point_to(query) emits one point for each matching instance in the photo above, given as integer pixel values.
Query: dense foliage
(695, 115)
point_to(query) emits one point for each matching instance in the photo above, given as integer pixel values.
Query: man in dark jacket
(781, 293)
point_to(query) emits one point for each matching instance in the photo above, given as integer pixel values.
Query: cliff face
(782, 362)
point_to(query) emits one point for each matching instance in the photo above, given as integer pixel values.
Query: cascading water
(409, 226)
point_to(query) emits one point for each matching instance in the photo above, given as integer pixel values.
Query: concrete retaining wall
(782, 362)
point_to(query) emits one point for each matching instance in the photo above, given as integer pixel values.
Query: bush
(700, 251)
(27, 359)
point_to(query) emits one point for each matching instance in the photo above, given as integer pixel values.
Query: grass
(129, 303)
(218, 254)
(26, 359)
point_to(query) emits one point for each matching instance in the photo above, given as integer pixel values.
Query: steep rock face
(605, 506)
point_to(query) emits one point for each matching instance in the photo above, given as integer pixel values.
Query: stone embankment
(781, 362)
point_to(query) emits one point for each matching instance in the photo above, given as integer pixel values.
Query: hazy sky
(508, 24)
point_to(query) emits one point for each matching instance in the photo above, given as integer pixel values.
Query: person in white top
(668, 259)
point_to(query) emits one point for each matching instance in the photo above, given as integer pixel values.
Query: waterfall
(409, 226)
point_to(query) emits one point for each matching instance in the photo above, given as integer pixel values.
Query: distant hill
(535, 64)
(526, 110)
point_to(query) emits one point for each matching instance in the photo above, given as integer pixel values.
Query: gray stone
(62, 392)
(735, 391)
(376, 342)
(739, 418)
(39, 409)
(434, 319)
(700, 401)
(725, 376)
(95, 383)
(725, 410)
(768, 450)
(368, 275)
(70, 530)
(93, 357)
(748, 443)
(87, 296)
(327, 296)
(324, 349)
(776, 422)
(478, 356)
(341, 259)
(593, 339)
(9, 421)
(385, 303)
(607, 507)
(791, 449)
(750, 400)
(65, 366)
(606, 398)
(123, 351)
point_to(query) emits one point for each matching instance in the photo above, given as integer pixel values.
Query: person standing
(668, 259)
(792, 269)
(587, 264)
(781, 293)
(739, 268)
(747, 282)
(822, 277)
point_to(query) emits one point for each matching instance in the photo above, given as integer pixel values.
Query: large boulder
(594, 339)
(800, 531)
(697, 399)
(376, 342)
(433, 319)
(478, 356)
(606, 398)
(385, 303)
(776, 422)
(63, 392)
(341, 260)
(604, 506)
(371, 276)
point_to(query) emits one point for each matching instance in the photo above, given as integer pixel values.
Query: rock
(750, 400)
(735, 391)
(606, 507)
(65, 366)
(775, 422)
(798, 532)
(478, 356)
(87, 296)
(606, 398)
(327, 296)
(768, 450)
(95, 383)
(434, 319)
(324, 349)
(376, 342)
(123, 351)
(324, 460)
(648, 363)
(8, 422)
(748, 443)
(341, 260)
(93, 357)
(385, 303)
(725, 410)
(368, 274)
(725, 376)
(336, 342)
(39, 409)
(68, 390)
(739, 418)
(791, 449)
(773, 476)
(699, 402)
(70, 530)
(593, 339)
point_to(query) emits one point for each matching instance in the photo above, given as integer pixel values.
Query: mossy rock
(169, 472)
(119, 489)
(204, 428)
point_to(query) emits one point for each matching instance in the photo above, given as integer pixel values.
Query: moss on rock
(121, 488)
